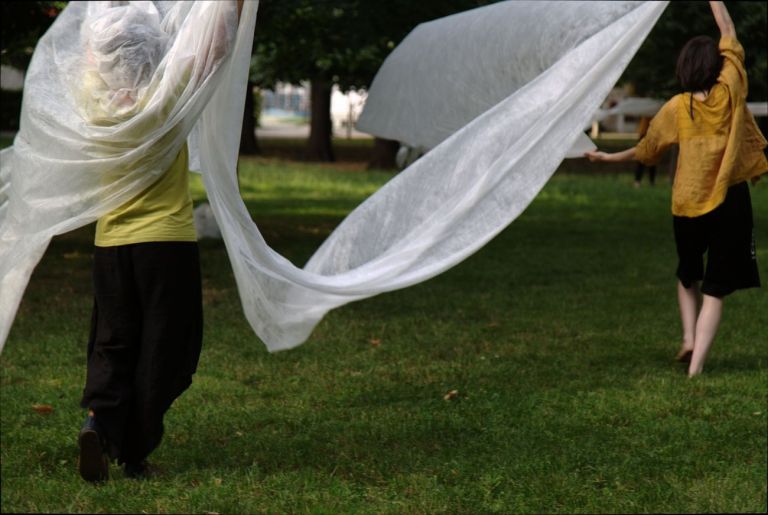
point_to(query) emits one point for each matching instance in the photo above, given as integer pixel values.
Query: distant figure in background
(642, 129)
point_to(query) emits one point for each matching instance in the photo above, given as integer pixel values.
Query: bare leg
(706, 328)
(688, 299)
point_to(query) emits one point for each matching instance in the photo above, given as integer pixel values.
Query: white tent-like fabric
(431, 216)
(448, 71)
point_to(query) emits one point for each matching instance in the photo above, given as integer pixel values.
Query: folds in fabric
(477, 179)
(448, 71)
(111, 94)
(458, 196)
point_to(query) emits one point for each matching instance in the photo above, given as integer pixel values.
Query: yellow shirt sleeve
(733, 74)
(662, 132)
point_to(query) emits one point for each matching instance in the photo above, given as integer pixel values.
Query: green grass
(558, 336)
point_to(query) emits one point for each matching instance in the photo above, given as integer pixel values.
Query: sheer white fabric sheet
(472, 184)
(103, 116)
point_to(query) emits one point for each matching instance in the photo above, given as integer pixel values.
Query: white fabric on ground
(205, 223)
(427, 219)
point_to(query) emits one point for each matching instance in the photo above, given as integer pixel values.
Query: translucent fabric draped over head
(125, 44)
(111, 95)
(69, 165)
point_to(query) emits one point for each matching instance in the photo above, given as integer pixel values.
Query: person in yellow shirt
(720, 150)
(146, 326)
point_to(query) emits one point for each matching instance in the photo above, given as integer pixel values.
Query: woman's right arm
(723, 19)
(662, 133)
(615, 157)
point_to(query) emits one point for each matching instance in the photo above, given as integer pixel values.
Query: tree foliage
(341, 41)
(23, 25)
(344, 42)
(328, 42)
(652, 71)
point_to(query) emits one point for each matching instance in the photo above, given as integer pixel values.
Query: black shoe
(94, 462)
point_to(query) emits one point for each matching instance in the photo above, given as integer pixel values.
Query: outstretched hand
(614, 157)
(596, 156)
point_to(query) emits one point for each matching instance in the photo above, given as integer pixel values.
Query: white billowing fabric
(447, 72)
(458, 196)
(111, 94)
(427, 219)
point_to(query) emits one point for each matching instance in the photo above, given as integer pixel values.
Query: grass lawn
(558, 337)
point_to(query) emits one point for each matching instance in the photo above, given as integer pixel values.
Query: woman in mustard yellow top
(721, 149)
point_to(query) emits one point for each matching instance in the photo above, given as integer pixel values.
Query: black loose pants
(145, 342)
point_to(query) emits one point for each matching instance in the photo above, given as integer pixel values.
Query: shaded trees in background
(652, 71)
(23, 25)
(345, 42)
(249, 144)
(342, 42)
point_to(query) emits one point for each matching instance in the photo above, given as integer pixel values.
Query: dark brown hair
(699, 64)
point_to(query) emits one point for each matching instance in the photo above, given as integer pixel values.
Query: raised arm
(723, 19)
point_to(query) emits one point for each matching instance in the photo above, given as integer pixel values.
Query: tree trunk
(319, 146)
(384, 152)
(248, 142)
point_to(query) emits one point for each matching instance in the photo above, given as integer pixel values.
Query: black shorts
(727, 237)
